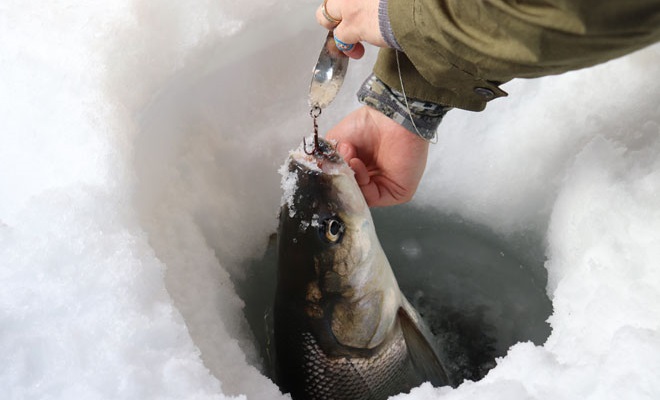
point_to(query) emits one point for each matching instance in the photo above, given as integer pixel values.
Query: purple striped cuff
(386, 27)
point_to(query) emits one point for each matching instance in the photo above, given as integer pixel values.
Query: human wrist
(418, 116)
(385, 25)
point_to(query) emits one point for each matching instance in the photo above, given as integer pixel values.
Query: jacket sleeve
(458, 52)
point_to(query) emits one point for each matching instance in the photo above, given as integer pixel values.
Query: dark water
(479, 292)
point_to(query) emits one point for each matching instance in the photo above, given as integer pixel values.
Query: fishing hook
(314, 113)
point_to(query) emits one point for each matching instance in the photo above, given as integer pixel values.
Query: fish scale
(354, 378)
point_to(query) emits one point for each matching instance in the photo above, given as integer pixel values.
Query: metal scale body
(327, 79)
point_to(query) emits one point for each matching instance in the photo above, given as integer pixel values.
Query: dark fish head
(319, 187)
(329, 258)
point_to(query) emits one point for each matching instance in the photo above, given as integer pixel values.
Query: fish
(342, 327)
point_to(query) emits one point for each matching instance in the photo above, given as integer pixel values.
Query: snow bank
(138, 172)
(575, 158)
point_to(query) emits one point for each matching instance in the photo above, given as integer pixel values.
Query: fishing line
(405, 99)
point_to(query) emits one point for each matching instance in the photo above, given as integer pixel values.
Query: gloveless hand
(358, 22)
(388, 160)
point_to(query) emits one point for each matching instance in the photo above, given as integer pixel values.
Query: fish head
(311, 181)
(329, 257)
(324, 214)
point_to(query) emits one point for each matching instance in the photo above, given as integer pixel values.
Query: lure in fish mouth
(343, 329)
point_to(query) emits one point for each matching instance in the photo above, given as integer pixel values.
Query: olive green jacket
(458, 52)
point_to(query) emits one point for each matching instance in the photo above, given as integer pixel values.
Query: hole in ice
(479, 292)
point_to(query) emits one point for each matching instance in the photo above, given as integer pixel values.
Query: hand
(388, 159)
(359, 22)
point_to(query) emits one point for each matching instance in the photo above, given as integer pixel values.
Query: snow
(141, 142)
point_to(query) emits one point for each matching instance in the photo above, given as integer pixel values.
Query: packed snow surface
(138, 169)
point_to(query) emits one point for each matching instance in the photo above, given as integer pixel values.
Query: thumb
(346, 150)
(361, 173)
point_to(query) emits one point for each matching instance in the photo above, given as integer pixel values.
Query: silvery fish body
(343, 329)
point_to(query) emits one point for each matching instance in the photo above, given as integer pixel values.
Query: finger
(347, 42)
(327, 19)
(356, 52)
(353, 50)
(345, 150)
(361, 173)
(371, 194)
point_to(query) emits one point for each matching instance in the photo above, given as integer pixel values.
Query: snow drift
(138, 170)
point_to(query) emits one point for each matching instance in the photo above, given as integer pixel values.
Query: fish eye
(332, 229)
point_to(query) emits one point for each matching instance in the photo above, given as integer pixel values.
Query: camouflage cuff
(423, 119)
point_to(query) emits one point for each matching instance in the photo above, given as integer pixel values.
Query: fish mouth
(319, 181)
(323, 159)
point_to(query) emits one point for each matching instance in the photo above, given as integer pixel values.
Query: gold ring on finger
(327, 15)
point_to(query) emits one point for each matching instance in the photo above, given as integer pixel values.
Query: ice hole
(479, 292)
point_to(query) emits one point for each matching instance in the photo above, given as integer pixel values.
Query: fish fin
(422, 353)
